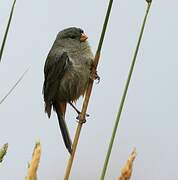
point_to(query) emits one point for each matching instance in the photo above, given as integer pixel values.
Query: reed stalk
(124, 94)
(88, 94)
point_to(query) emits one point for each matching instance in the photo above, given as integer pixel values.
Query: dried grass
(3, 151)
(33, 166)
(127, 169)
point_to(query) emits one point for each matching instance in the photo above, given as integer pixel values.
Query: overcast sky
(149, 120)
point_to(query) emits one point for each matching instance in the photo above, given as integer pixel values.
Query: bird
(67, 72)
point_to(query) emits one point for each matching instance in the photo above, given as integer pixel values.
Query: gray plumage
(67, 72)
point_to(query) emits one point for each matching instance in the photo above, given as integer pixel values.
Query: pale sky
(149, 118)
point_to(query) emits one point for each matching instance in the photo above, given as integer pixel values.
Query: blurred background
(149, 118)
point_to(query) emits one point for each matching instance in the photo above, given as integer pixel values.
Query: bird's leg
(78, 112)
(93, 74)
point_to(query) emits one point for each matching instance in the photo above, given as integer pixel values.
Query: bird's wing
(54, 70)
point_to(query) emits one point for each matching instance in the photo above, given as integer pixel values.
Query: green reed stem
(124, 95)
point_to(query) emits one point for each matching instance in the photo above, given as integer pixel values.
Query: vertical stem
(124, 96)
(104, 26)
(74, 145)
(87, 95)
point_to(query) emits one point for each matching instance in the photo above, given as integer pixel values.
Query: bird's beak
(83, 37)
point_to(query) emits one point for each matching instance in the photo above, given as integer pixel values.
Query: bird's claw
(98, 79)
(87, 115)
(95, 76)
(81, 119)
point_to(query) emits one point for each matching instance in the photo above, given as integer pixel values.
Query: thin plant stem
(124, 96)
(87, 95)
(7, 30)
(13, 87)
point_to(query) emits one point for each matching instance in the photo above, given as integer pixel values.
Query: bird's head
(72, 33)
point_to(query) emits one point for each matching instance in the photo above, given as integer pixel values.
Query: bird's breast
(74, 82)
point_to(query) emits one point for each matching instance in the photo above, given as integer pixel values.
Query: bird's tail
(63, 126)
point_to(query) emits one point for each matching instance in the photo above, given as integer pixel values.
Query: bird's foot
(87, 115)
(81, 119)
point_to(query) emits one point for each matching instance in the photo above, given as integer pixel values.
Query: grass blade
(7, 30)
(14, 86)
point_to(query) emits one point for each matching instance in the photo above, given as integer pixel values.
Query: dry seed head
(33, 166)
(127, 169)
(3, 151)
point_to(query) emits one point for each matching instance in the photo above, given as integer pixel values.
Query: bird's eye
(81, 31)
